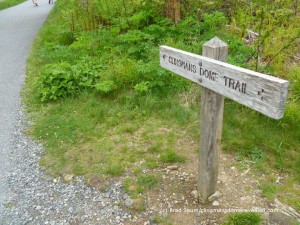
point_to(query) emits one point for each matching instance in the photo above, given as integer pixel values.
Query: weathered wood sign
(263, 93)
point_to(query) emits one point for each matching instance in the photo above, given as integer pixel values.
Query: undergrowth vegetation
(103, 106)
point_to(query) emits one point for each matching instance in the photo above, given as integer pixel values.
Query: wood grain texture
(261, 92)
(212, 107)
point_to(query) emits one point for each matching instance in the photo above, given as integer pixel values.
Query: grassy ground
(9, 3)
(121, 131)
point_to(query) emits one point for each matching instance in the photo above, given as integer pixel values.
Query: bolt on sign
(261, 92)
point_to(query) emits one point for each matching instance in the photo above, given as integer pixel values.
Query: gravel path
(36, 198)
(27, 194)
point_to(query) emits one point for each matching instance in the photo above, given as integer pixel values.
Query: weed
(154, 148)
(115, 170)
(269, 190)
(147, 181)
(151, 163)
(133, 188)
(127, 185)
(137, 171)
(257, 155)
(170, 156)
(297, 169)
(247, 218)
(139, 204)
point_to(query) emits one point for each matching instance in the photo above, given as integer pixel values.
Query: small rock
(151, 217)
(215, 203)
(278, 180)
(68, 177)
(165, 214)
(128, 202)
(138, 203)
(246, 199)
(279, 218)
(214, 196)
(172, 167)
(195, 194)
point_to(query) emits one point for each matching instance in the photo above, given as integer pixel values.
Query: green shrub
(66, 37)
(213, 24)
(105, 86)
(63, 79)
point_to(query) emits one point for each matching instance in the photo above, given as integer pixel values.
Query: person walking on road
(34, 2)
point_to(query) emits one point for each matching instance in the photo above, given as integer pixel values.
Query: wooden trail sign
(263, 93)
(260, 92)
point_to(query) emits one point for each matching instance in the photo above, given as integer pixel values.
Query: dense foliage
(123, 39)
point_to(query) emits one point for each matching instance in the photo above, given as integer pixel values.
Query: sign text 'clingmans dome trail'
(261, 92)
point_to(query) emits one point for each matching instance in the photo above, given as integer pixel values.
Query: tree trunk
(172, 10)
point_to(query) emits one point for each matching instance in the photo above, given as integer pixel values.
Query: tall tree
(173, 10)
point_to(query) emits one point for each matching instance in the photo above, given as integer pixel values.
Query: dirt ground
(172, 202)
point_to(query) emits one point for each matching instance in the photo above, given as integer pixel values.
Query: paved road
(18, 27)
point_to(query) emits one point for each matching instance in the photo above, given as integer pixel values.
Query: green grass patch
(151, 163)
(9, 3)
(115, 170)
(92, 136)
(269, 190)
(170, 156)
(139, 184)
(250, 218)
(147, 181)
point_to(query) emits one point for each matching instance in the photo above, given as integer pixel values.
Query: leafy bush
(213, 24)
(66, 37)
(63, 79)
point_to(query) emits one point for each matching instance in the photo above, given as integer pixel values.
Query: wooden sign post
(261, 92)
